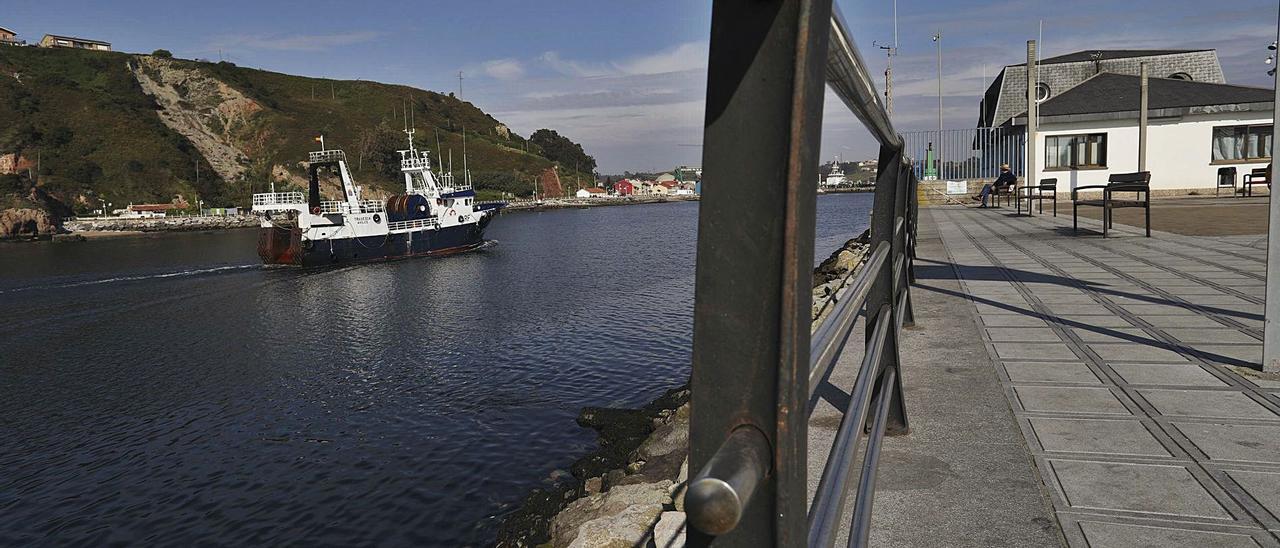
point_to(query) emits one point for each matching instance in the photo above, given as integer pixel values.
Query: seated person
(1006, 179)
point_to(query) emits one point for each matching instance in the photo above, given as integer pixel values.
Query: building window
(1042, 91)
(1074, 151)
(1242, 143)
(1181, 76)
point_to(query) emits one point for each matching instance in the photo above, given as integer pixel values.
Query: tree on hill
(558, 148)
(163, 53)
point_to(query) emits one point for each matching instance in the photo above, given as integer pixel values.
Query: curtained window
(1241, 143)
(1075, 151)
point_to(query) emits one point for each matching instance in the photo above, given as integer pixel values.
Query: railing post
(883, 291)
(754, 268)
(902, 207)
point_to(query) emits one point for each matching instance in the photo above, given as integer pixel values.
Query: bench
(1226, 178)
(1007, 192)
(1259, 176)
(1138, 183)
(1047, 189)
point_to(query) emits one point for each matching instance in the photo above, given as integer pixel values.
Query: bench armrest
(1087, 187)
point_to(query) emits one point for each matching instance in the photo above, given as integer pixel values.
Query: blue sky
(627, 79)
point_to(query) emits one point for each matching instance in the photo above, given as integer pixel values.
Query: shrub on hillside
(162, 53)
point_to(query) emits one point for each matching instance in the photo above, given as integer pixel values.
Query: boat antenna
(466, 173)
(439, 159)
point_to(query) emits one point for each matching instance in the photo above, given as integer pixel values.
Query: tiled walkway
(1111, 353)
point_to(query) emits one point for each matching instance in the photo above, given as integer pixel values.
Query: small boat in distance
(434, 216)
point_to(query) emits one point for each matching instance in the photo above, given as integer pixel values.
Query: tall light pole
(1271, 321)
(937, 39)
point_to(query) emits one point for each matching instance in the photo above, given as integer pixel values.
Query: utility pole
(1142, 117)
(1033, 112)
(1271, 321)
(459, 84)
(937, 39)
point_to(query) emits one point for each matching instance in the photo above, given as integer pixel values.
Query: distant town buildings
(55, 41)
(624, 188)
(593, 192)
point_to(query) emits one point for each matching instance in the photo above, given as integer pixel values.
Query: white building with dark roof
(1090, 131)
(1007, 94)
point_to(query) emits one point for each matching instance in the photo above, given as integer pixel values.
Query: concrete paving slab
(1023, 334)
(1116, 535)
(1034, 351)
(1234, 442)
(1112, 335)
(1205, 403)
(1264, 487)
(1011, 320)
(1210, 336)
(1134, 352)
(1251, 353)
(1183, 321)
(1130, 487)
(1079, 310)
(1095, 321)
(1059, 372)
(1100, 436)
(1165, 375)
(1073, 400)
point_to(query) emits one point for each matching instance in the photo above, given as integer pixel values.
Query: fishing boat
(436, 215)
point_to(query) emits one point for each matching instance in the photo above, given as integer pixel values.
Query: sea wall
(630, 491)
(161, 224)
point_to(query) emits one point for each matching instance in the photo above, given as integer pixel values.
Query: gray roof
(1105, 54)
(1108, 92)
(2, 29)
(72, 38)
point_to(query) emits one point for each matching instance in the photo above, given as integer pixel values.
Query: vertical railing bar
(860, 531)
(826, 510)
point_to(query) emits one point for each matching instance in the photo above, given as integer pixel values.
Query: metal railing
(321, 156)
(396, 226)
(756, 365)
(279, 198)
(966, 154)
(365, 206)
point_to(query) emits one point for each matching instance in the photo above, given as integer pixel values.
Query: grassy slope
(95, 132)
(115, 128)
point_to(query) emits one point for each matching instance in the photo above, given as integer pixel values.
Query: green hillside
(86, 122)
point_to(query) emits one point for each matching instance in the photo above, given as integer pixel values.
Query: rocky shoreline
(630, 490)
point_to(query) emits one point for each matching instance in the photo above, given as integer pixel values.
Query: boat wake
(119, 279)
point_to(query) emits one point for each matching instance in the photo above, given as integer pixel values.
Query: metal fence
(966, 154)
(756, 366)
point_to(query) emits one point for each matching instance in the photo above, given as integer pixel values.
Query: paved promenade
(1124, 366)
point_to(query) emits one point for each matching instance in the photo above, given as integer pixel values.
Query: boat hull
(285, 246)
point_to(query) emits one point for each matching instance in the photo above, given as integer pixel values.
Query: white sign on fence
(957, 187)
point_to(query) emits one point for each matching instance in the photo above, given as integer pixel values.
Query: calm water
(168, 390)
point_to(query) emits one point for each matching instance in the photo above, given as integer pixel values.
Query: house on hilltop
(55, 41)
(9, 38)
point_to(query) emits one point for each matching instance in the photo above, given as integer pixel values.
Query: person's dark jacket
(1005, 179)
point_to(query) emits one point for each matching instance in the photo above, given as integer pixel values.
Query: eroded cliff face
(26, 222)
(206, 111)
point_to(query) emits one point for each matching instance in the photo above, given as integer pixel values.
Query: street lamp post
(1271, 319)
(937, 39)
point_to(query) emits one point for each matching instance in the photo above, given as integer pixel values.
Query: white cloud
(295, 42)
(682, 57)
(687, 56)
(503, 69)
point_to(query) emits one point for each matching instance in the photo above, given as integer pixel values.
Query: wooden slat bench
(1138, 183)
